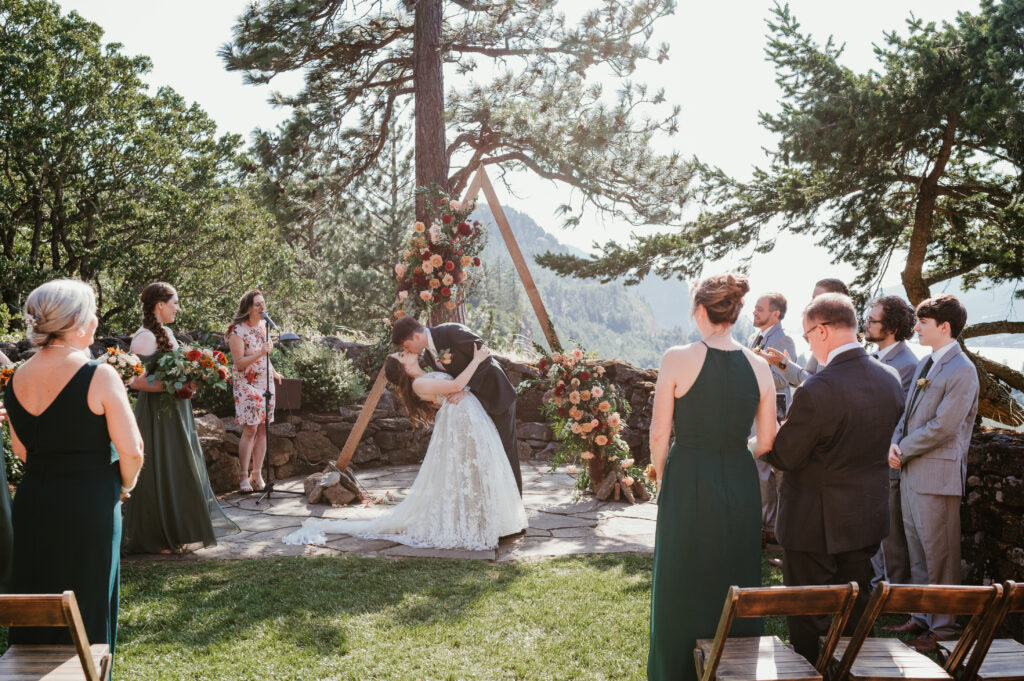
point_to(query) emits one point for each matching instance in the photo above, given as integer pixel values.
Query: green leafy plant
(329, 378)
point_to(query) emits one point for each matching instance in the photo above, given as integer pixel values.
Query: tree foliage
(535, 109)
(922, 159)
(103, 181)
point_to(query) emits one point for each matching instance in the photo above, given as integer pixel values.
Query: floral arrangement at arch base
(433, 269)
(587, 413)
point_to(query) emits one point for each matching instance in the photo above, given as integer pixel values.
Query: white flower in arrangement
(402, 295)
(571, 470)
(626, 463)
(435, 233)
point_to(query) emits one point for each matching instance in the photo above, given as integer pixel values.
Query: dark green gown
(708, 536)
(173, 503)
(67, 511)
(6, 529)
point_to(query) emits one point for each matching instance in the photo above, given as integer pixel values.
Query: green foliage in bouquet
(329, 378)
(12, 464)
(187, 368)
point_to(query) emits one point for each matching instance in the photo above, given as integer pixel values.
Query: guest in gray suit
(889, 323)
(769, 311)
(929, 447)
(794, 373)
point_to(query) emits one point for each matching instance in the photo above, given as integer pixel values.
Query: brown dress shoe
(925, 643)
(911, 626)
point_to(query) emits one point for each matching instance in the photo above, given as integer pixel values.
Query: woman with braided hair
(173, 504)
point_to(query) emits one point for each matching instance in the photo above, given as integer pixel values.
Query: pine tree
(922, 159)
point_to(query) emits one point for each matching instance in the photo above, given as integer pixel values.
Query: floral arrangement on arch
(587, 413)
(184, 369)
(438, 255)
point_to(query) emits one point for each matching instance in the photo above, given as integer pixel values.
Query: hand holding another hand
(895, 457)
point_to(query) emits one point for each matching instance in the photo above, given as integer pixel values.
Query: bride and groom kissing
(468, 492)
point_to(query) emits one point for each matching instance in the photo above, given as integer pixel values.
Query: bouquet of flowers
(184, 369)
(126, 364)
(5, 375)
(437, 257)
(587, 413)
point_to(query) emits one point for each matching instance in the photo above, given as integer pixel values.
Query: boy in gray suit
(929, 448)
(889, 323)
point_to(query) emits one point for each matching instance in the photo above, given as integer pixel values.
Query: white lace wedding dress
(464, 495)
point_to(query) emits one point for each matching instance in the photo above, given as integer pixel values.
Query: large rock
(315, 447)
(281, 451)
(223, 470)
(338, 495)
(338, 433)
(535, 431)
(210, 426)
(390, 439)
(365, 453)
(282, 430)
(231, 443)
(313, 489)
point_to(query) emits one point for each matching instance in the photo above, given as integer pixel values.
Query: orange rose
(600, 440)
(420, 227)
(435, 283)
(436, 260)
(587, 456)
(604, 406)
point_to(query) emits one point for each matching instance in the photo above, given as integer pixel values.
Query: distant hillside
(633, 323)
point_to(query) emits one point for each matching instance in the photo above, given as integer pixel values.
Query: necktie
(917, 389)
(875, 355)
(757, 341)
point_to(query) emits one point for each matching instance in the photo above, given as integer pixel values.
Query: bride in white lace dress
(465, 494)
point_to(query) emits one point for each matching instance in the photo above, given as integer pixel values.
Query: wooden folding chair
(860, 658)
(1000, 659)
(51, 662)
(767, 657)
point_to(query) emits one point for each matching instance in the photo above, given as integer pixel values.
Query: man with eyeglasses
(833, 449)
(889, 323)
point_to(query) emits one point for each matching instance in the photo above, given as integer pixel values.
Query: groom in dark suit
(449, 348)
(834, 446)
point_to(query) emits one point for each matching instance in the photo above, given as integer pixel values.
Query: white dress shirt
(840, 350)
(880, 354)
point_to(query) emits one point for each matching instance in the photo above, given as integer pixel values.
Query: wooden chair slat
(780, 601)
(946, 600)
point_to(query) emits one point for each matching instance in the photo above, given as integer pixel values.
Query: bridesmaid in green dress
(174, 504)
(708, 536)
(67, 415)
(6, 529)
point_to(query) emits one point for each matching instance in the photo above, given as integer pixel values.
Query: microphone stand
(268, 490)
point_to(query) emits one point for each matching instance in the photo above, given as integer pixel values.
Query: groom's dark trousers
(489, 384)
(834, 501)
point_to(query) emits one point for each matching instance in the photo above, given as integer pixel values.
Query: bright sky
(716, 72)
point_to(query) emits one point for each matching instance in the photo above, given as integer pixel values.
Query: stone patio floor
(558, 525)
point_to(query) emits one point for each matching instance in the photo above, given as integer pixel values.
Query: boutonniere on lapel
(923, 383)
(444, 356)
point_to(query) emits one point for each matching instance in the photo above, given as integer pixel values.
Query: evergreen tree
(921, 161)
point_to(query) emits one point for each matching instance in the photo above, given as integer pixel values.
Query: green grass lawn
(579, 617)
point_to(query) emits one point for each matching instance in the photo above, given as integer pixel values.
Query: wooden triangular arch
(480, 181)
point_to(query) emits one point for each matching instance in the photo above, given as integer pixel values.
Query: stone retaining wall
(992, 513)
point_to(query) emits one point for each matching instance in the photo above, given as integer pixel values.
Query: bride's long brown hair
(421, 412)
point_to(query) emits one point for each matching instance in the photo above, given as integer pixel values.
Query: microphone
(269, 321)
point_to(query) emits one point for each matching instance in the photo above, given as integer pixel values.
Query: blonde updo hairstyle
(56, 308)
(721, 297)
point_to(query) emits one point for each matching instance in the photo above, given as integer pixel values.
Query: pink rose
(600, 440)
(402, 295)
(400, 269)
(426, 296)
(597, 392)
(419, 227)
(455, 205)
(626, 463)
(587, 456)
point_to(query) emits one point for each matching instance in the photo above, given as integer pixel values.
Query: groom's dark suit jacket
(489, 383)
(834, 449)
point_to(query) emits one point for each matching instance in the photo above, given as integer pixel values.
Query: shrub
(12, 464)
(329, 379)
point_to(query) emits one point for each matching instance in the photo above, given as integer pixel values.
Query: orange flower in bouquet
(126, 364)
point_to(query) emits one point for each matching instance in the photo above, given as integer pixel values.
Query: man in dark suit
(449, 348)
(833, 507)
(889, 323)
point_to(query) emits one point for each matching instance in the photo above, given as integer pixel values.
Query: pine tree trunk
(428, 80)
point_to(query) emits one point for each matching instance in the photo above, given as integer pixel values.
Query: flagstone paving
(559, 525)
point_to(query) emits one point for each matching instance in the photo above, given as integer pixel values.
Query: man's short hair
(776, 301)
(832, 309)
(403, 329)
(833, 286)
(944, 308)
(897, 316)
